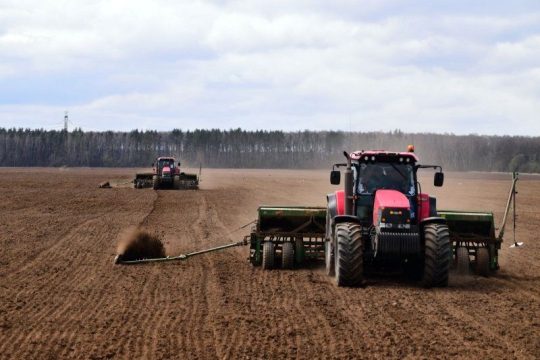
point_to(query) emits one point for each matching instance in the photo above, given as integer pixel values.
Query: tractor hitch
(118, 258)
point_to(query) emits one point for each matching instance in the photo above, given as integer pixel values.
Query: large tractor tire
(155, 182)
(176, 182)
(349, 261)
(287, 255)
(437, 255)
(329, 258)
(268, 255)
(482, 261)
(463, 260)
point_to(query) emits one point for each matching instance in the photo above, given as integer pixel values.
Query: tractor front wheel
(437, 255)
(176, 182)
(349, 261)
(155, 182)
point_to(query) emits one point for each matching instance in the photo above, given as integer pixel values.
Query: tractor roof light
(410, 148)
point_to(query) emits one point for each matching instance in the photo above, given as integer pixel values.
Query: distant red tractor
(166, 173)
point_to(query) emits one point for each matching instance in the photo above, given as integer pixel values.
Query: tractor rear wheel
(463, 260)
(349, 261)
(155, 182)
(482, 261)
(287, 255)
(268, 255)
(437, 255)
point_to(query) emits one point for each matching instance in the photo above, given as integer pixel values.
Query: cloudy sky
(438, 66)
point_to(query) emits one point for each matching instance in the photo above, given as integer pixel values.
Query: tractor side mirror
(179, 164)
(438, 179)
(335, 177)
(152, 164)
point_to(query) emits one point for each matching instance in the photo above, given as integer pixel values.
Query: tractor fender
(340, 202)
(433, 220)
(430, 220)
(345, 218)
(331, 205)
(336, 203)
(432, 207)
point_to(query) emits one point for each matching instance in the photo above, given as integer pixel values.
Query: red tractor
(166, 174)
(382, 218)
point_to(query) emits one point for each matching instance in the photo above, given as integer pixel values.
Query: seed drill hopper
(287, 234)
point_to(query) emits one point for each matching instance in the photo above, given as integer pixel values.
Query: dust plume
(135, 243)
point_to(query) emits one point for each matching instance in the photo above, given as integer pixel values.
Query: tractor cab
(393, 175)
(371, 176)
(166, 167)
(381, 218)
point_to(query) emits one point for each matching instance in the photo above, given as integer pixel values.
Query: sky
(374, 65)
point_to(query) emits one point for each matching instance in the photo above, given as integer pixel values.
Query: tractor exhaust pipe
(348, 186)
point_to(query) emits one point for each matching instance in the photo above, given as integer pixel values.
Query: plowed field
(62, 297)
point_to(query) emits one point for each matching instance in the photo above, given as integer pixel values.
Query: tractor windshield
(392, 176)
(166, 162)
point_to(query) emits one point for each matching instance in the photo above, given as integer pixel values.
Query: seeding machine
(166, 173)
(379, 222)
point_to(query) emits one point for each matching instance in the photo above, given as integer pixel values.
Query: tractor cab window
(391, 176)
(163, 163)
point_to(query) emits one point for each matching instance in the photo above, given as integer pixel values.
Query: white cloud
(290, 65)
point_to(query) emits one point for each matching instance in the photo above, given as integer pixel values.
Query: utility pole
(66, 120)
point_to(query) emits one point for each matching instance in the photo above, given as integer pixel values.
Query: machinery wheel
(287, 255)
(299, 250)
(176, 182)
(329, 258)
(463, 260)
(349, 267)
(268, 255)
(155, 182)
(482, 261)
(437, 255)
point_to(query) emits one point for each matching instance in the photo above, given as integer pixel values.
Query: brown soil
(62, 297)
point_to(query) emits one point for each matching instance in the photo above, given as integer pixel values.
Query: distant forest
(260, 149)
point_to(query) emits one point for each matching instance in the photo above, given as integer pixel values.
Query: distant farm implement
(166, 174)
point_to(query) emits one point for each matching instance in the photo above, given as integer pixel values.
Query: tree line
(237, 148)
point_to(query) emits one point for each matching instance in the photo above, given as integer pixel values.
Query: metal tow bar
(118, 258)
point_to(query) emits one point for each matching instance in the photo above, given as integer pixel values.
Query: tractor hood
(388, 199)
(166, 170)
